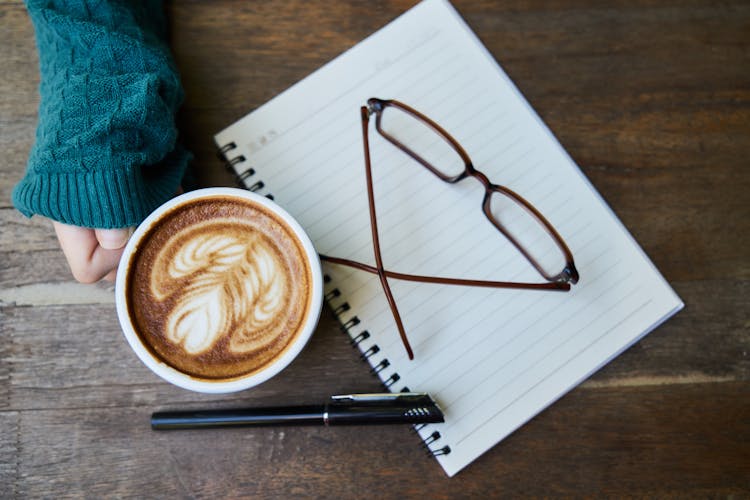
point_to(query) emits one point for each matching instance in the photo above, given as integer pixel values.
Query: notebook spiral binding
(241, 176)
(371, 353)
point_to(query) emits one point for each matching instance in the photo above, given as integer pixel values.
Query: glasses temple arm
(554, 286)
(365, 114)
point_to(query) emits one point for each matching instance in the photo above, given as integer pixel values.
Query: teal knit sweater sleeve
(106, 151)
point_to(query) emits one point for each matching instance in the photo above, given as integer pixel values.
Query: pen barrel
(296, 415)
(373, 415)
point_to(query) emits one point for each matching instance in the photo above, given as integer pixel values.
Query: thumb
(113, 239)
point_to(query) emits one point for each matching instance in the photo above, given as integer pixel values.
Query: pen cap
(373, 415)
(384, 399)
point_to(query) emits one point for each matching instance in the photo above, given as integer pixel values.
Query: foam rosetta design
(223, 283)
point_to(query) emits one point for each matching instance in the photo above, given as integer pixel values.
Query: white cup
(184, 380)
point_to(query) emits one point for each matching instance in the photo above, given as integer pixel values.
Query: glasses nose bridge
(473, 172)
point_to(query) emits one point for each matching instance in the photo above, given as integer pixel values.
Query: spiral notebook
(491, 358)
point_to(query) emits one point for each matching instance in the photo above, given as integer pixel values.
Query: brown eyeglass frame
(559, 282)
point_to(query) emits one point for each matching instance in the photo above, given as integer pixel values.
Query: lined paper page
(491, 358)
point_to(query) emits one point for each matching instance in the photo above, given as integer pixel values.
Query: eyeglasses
(515, 218)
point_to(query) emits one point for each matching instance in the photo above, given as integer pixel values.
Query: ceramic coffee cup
(218, 290)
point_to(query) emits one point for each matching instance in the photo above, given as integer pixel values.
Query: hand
(93, 254)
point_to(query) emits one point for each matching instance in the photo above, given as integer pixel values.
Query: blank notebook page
(492, 358)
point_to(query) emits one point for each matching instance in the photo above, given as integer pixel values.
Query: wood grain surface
(650, 98)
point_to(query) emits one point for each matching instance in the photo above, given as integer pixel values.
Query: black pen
(350, 409)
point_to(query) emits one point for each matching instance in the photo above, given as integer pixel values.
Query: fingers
(111, 276)
(112, 239)
(93, 254)
(85, 251)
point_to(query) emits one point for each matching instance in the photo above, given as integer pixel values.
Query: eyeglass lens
(422, 140)
(530, 235)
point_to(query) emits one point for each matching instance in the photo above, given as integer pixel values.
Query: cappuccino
(219, 287)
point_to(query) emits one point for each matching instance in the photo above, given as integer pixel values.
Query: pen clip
(384, 399)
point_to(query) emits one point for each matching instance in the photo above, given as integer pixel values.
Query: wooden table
(652, 99)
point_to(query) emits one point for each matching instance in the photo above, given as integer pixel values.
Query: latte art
(219, 288)
(222, 285)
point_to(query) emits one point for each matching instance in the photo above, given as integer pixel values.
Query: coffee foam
(219, 288)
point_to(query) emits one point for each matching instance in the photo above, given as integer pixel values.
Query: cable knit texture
(106, 151)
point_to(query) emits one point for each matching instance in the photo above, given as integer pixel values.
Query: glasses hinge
(374, 105)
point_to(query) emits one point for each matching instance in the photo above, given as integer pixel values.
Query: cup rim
(183, 380)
